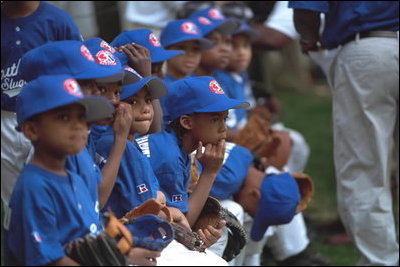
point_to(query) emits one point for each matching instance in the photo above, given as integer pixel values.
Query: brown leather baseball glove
(306, 188)
(211, 214)
(109, 248)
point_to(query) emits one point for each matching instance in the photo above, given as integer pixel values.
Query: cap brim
(259, 227)
(228, 104)
(101, 74)
(131, 76)
(227, 26)
(253, 34)
(97, 108)
(156, 87)
(204, 42)
(163, 55)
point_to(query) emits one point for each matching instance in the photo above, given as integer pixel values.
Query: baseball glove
(212, 214)
(109, 248)
(150, 206)
(306, 188)
(151, 232)
(257, 136)
(189, 239)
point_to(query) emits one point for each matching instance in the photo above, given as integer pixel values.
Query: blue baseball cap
(198, 94)
(183, 30)
(52, 91)
(146, 38)
(279, 199)
(65, 57)
(210, 19)
(97, 43)
(155, 85)
(245, 29)
(105, 55)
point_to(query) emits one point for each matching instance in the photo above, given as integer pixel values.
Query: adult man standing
(364, 77)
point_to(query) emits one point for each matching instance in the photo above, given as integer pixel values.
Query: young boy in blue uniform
(183, 35)
(50, 205)
(75, 59)
(186, 36)
(198, 108)
(24, 26)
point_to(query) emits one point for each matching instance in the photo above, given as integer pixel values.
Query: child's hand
(143, 257)
(138, 58)
(210, 235)
(122, 120)
(212, 157)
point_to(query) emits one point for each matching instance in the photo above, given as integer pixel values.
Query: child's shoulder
(161, 143)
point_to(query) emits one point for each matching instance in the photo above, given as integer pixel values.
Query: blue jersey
(19, 35)
(237, 161)
(135, 182)
(345, 18)
(47, 211)
(235, 89)
(171, 165)
(83, 165)
(96, 131)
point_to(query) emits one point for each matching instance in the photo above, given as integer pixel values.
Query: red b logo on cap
(72, 87)
(153, 40)
(86, 53)
(107, 46)
(204, 20)
(189, 28)
(215, 87)
(104, 57)
(215, 14)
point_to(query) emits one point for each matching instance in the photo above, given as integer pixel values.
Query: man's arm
(307, 24)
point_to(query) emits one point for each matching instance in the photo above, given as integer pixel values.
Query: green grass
(310, 114)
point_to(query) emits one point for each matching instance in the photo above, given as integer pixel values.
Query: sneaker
(305, 258)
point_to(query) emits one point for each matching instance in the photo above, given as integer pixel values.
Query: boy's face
(142, 111)
(183, 65)
(58, 132)
(218, 56)
(241, 54)
(88, 87)
(249, 193)
(112, 92)
(209, 127)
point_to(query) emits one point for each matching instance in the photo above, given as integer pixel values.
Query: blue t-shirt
(345, 18)
(237, 161)
(83, 165)
(47, 211)
(171, 165)
(96, 131)
(19, 35)
(135, 182)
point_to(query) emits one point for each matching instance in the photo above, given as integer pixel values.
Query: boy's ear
(29, 130)
(186, 122)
